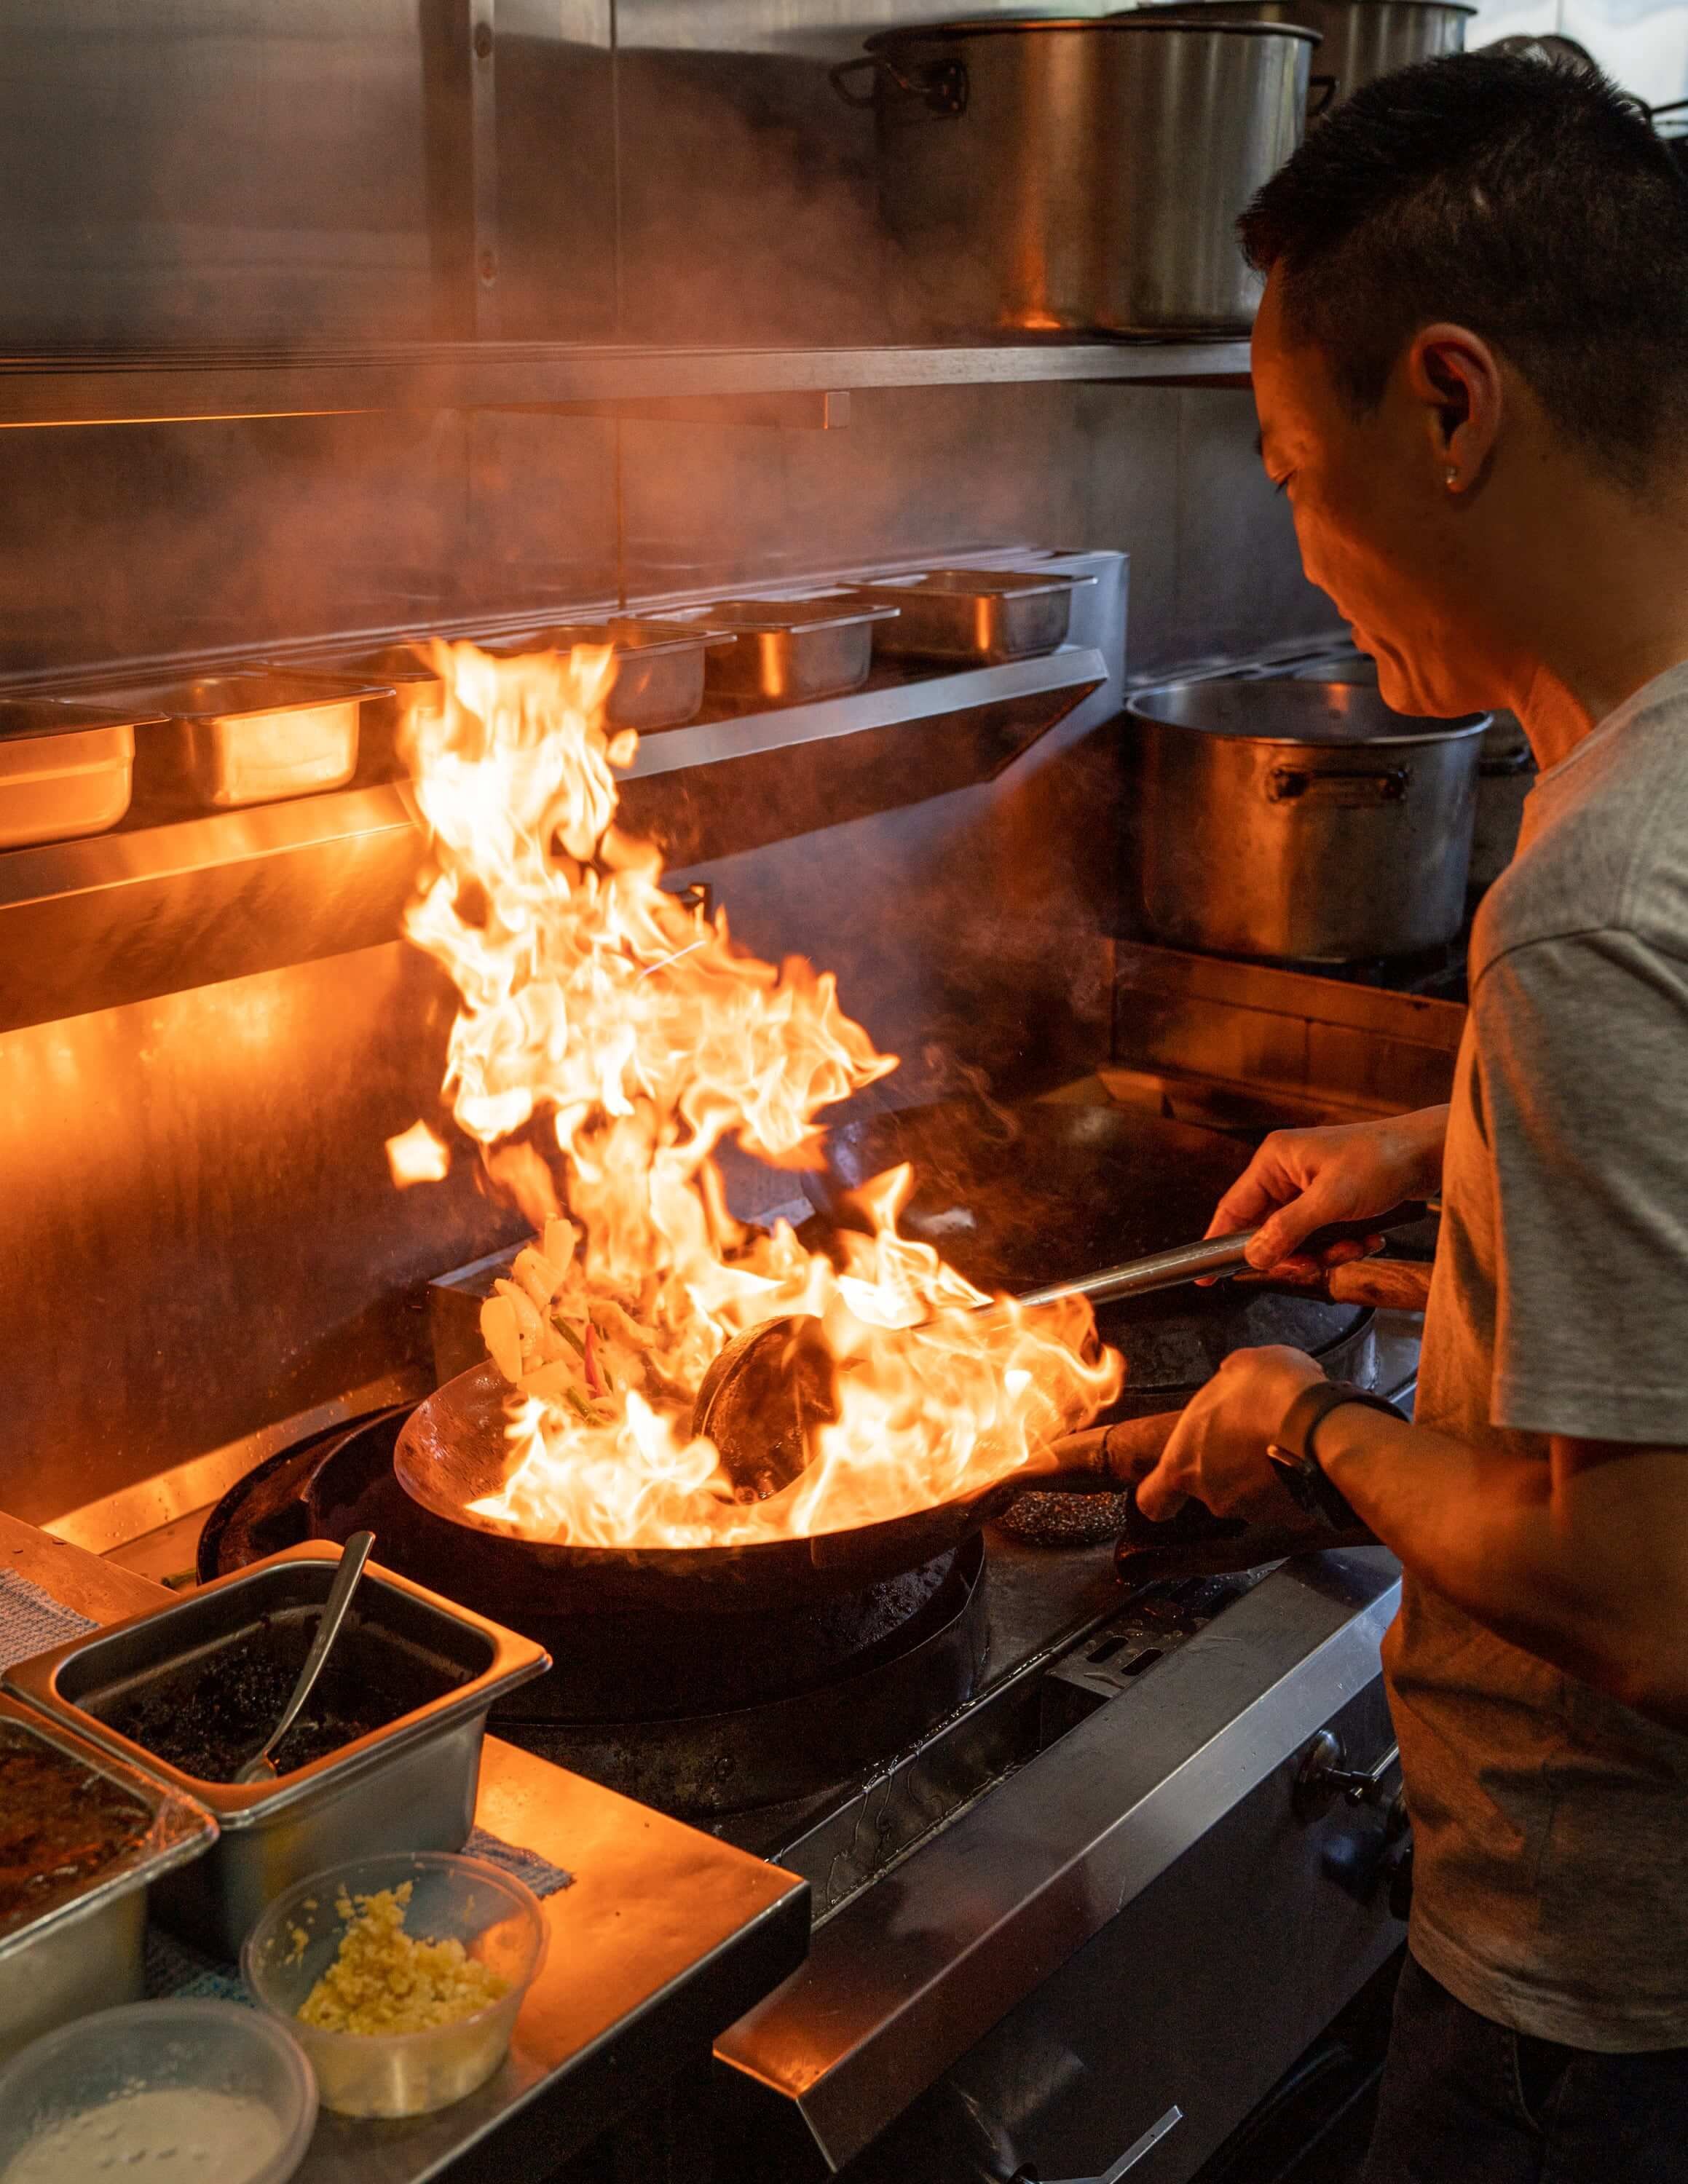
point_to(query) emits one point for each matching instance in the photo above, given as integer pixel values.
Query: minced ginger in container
(385, 1980)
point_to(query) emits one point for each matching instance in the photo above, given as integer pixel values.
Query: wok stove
(1046, 1815)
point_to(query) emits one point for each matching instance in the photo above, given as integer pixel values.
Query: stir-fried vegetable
(552, 1339)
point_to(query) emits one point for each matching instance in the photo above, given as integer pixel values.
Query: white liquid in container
(174, 2135)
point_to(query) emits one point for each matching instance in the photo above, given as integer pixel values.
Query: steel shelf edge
(236, 892)
(160, 386)
(905, 703)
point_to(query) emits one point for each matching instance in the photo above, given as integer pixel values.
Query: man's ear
(1454, 376)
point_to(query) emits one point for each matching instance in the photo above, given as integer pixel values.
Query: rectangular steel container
(252, 735)
(87, 1954)
(659, 664)
(981, 615)
(66, 768)
(786, 650)
(410, 1785)
(417, 693)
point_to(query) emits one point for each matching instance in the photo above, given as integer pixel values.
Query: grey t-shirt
(1551, 1823)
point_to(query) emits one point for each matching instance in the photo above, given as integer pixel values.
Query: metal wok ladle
(769, 1387)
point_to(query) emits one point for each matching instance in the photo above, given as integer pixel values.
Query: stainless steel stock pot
(1301, 820)
(1061, 177)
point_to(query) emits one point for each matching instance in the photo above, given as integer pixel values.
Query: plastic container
(377, 2074)
(199, 2048)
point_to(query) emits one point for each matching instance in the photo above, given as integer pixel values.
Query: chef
(1471, 365)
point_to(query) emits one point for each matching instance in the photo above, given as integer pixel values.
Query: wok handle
(1385, 1285)
(1195, 1543)
(1214, 1255)
(1107, 1459)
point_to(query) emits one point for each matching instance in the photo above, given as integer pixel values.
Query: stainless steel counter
(665, 1939)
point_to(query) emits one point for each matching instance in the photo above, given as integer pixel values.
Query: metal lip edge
(166, 852)
(138, 388)
(779, 620)
(1027, 586)
(1319, 1681)
(188, 1825)
(516, 1661)
(1460, 728)
(567, 636)
(273, 690)
(65, 713)
(710, 742)
(986, 26)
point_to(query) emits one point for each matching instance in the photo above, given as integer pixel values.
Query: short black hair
(1529, 201)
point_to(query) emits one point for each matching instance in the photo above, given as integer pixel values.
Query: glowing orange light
(417, 1156)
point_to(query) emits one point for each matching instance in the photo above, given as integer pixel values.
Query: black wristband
(1294, 1453)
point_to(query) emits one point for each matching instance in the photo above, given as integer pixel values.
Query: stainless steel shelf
(171, 385)
(153, 910)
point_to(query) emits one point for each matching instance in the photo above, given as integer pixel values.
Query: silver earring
(1452, 477)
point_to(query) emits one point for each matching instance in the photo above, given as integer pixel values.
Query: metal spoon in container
(353, 1557)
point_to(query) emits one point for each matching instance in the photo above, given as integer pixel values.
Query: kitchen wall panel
(1239, 583)
(211, 169)
(198, 1235)
(1172, 478)
(137, 541)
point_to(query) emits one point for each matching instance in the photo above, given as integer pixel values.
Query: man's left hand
(1217, 1453)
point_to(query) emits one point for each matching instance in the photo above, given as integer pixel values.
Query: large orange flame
(610, 1039)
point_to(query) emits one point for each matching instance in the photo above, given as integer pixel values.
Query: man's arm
(1582, 1560)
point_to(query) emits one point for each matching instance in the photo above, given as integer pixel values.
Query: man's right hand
(1300, 1179)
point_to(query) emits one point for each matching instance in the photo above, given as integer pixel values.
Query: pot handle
(942, 88)
(1328, 84)
(1296, 784)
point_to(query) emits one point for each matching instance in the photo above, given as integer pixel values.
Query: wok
(453, 1451)
(1012, 1203)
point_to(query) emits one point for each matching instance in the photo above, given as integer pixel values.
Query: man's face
(1374, 531)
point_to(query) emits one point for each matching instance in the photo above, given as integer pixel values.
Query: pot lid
(1154, 18)
(1339, 714)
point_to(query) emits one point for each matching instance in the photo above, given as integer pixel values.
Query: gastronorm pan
(417, 693)
(252, 735)
(407, 1785)
(981, 614)
(66, 768)
(659, 664)
(786, 650)
(84, 1950)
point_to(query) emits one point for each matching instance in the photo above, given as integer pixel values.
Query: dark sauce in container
(208, 1714)
(60, 1823)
